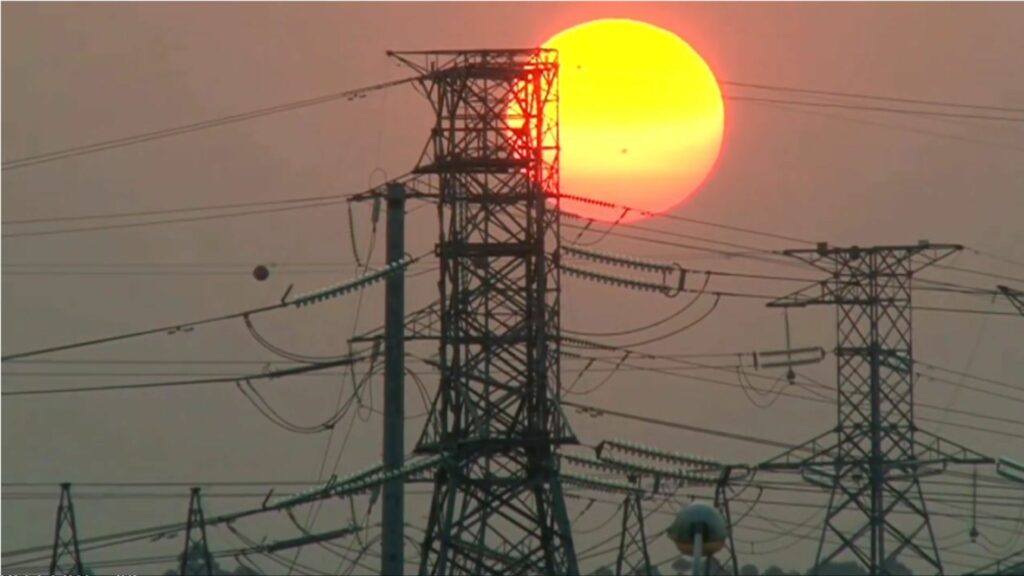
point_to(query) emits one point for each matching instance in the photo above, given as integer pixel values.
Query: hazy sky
(78, 73)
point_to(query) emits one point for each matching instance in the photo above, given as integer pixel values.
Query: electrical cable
(884, 109)
(599, 411)
(818, 398)
(998, 383)
(179, 383)
(996, 257)
(256, 548)
(358, 282)
(894, 127)
(287, 355)
(627, 209)
(314, 511)
(106, 227)
(572, 389)
(964, 311)
(681, 329)
(54, 155)
(939, 103)
(268, 411)
(745, 384)
(961, 384)
(978, 272)
(204, 208)
(655, 324)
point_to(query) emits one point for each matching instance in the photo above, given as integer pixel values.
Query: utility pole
(872, 461)
(66, 558)
(496, 423)
(393, 508)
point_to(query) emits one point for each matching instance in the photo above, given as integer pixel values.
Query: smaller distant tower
(196, 560)
(66, 557)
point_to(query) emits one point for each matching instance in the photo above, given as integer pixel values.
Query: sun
(641, 118)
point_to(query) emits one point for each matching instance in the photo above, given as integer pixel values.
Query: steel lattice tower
(66, 558)
(497, 504)
(873, 460)
(633, 558)
(195, 540)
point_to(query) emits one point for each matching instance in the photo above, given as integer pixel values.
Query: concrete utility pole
(393, 510)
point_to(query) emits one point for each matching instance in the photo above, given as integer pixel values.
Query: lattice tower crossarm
(497, 505)
(873, 460)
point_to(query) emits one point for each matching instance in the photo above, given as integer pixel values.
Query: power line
(207, 207)
(964, 311)
(732, 228)
(941, 103)
(979, 273)
(194, 382)
(896, 127)
(679, 426)
(100, 146)
(170, 220)
(971, 376)
(671, 372)
(884, 109)
(996, 257)
(188, 326)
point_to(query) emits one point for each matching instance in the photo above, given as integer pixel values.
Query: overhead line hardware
(690, 460)
(634, 284)
(306, 299)
(793, 357)
(321, 295)
(624, 261)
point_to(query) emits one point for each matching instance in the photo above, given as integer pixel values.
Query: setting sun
(641, 118)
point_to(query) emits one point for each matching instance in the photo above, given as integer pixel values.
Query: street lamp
(698, 530)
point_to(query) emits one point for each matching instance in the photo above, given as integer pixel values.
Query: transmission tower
(196, 560)
(496, 423)
(633, 558)
(873, 460)
(66, 557)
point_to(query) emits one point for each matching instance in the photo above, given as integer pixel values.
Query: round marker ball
(260, 273)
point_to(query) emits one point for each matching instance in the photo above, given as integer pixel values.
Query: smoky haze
(79, 73)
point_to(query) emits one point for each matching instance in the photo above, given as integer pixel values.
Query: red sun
(640, 118)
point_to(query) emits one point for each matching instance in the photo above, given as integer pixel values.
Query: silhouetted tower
(873, 460)
(497, 504)
(723, 486)
(633, 557)
(66, 557)
(196, 560)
